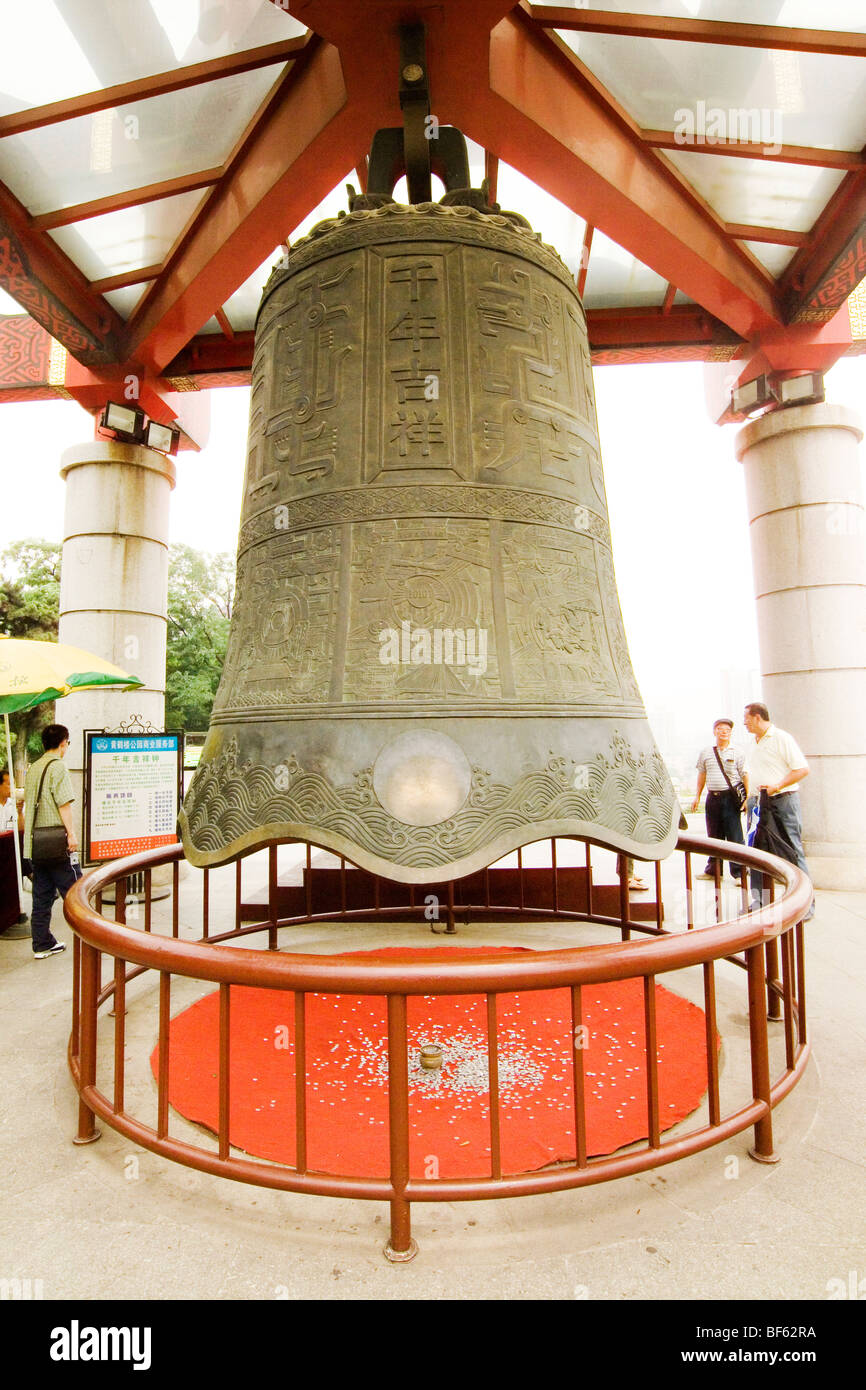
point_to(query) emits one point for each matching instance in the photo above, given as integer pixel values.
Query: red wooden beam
(777, 236)
(544, 119)
(670, 296)
(812, 155)
(681, 324)
(156, 86)
(126, 277)
(585, 252)
(829, 268)
(298, 151)
(134, 197)
(491, 174)
(223, 321)
(49, 287)
(841, 43)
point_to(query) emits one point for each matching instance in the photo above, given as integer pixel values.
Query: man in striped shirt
(723, 804)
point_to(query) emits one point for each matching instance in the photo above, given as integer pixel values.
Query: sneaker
(52, 951)
(18, 931)
(706, 875)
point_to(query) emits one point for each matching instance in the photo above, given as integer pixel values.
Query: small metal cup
(430, 1056)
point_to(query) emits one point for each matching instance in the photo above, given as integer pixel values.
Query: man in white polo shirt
(775, 761)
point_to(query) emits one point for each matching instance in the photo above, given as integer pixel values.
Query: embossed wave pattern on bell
(427, 665)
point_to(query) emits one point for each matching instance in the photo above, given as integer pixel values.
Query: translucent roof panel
(614, 278)
(791, 98)
(88, 46)
(774, 258)
(129, 239)
(141, 143)
(749, 191)
(125, 300)
(558, 225)
(799, 14)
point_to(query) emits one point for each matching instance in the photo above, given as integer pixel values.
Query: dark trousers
(48, 881)
(786, 809)
(723, 823)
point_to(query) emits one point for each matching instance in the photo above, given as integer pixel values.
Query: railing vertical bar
(493, 1074)
(588, 880)
(774, 1003)
(712, 1048)
(690, 897)
(487, 886)
(520, 879)
(788, 996)
(652, 1059)
(342, 886)
(205, 903)
(225, 1069)
(148, 899)
(120, 900)
(76, 994)
(398, 1124)
(763, 1146)
(164, 1047)
(308, 881)
(87, 1130)
(624, 904)
(450, 927)
(555, 874)
(300, 1081)
(272, 897)
(578, 1033)
(238, 892)
(801, 982)
(175, 898)
(659, 904)
(119, 1032)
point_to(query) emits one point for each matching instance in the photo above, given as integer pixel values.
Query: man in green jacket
(54, 808)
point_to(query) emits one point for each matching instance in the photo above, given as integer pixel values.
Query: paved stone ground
(114, 1221)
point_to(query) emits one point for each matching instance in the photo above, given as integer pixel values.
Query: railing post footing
(765, 1158)
(88, 1138)
(400, 1257)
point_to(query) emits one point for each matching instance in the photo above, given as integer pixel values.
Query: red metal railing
(750, 941)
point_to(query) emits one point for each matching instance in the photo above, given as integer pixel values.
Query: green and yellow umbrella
(33, 672)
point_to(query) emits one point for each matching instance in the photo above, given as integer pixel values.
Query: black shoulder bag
(739, 790)
(50, 844)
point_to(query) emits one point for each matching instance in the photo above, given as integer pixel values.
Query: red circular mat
(347, 1071)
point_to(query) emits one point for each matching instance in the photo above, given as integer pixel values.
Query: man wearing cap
(775, 761)
(720, 768)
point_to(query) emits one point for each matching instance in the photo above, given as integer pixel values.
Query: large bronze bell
(427, 666)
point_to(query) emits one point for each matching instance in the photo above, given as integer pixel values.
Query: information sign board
(132, 792)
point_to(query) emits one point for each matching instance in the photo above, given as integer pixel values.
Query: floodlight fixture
(753, 395)
(126, 422)
(807, 389)
(161, 437)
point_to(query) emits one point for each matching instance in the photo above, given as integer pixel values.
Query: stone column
(808, 537)
(114, 582)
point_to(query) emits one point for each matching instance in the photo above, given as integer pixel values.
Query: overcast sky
(675, 494)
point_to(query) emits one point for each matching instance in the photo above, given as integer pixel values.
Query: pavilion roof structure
(699, 164)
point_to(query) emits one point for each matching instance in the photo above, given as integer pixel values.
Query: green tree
(200, 595)
(29, 608)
